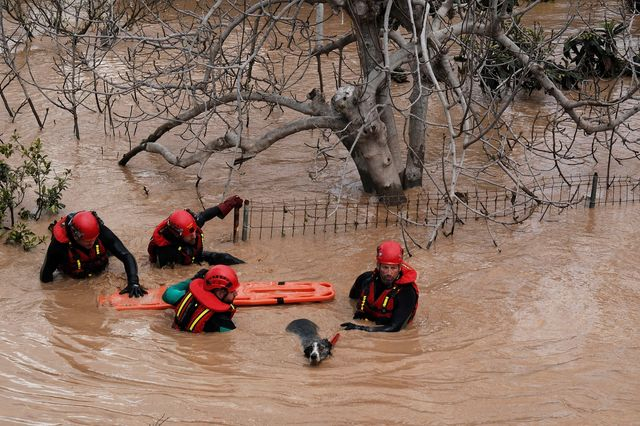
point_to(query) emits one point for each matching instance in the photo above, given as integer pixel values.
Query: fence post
(245, 220)
(594, 187)
(236, 222)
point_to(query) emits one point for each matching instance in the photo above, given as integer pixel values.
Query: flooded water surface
(538, 329)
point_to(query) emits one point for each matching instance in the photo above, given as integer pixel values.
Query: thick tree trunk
(412, 176)
(393, 140)
(363, 107)
(371, 153)
(361, 165)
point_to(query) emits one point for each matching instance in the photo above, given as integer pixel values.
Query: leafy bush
(34, 172)
(20, 234)
(594, 52)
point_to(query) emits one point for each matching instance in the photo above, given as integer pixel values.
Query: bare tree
(201, 70)
(11, 38)
(81, 31)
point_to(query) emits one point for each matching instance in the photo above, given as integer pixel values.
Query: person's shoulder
(408, 293)
(364, 277)
(359, 284)
(57, 245)
(408, 289)
(409, 275)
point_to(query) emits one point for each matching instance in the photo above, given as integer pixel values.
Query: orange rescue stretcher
(249, 294)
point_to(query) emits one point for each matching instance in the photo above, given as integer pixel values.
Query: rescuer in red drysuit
(388, 295)
(80, 247)
(207, 304)
(179, 238)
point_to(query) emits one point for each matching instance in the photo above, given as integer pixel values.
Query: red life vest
(79, 263)
(159, 240)
(197, 307)
(380, 309)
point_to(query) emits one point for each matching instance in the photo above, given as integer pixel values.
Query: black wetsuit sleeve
(54, 257)
(208, 214)
(404, 303)
(115, 247)
(358, 285)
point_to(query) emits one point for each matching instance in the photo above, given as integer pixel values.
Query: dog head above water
(317, 350)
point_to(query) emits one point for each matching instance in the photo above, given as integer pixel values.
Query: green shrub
(34, 172)
(594, 52)
(20, 234)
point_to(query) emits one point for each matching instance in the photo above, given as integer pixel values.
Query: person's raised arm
(221, 210)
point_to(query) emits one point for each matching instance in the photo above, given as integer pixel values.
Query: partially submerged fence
(313, 216)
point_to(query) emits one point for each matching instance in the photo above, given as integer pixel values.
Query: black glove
(213, 258)
(200, 274)
(229, 204)
(134, 289)
(352, 326)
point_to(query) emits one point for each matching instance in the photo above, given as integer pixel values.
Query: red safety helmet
(182, 222)
(221, 276)
(84, 226)
(389, 253)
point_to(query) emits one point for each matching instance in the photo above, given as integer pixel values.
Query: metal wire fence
(313, 216)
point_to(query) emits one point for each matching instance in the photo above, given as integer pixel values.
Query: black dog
(315, 348)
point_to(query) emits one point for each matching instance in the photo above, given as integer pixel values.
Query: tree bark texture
(369, 148)
(364, 107)
(412, 176)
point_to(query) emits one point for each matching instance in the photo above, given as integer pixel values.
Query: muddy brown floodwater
(540, 330)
